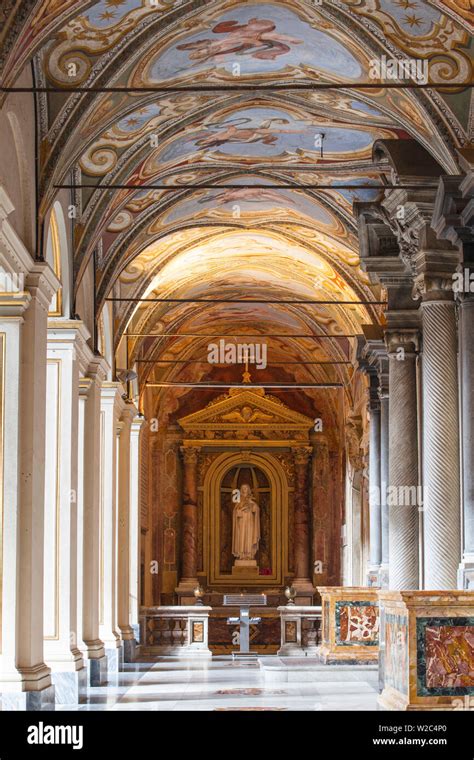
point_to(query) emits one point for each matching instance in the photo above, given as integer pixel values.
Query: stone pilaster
(134, 526)
(66, 341)
(123, 554)
(89, 521)
(26, 680)
(112, 406)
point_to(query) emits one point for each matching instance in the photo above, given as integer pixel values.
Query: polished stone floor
(283, 684)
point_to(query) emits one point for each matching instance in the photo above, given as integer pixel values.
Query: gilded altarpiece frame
(250, 428)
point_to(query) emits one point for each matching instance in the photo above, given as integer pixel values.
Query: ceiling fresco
(255, 232)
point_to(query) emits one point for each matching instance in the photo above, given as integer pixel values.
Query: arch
(211, 497)
(57, 256)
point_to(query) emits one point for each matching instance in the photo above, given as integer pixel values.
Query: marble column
(135, 526)
(123, 554)
(441, 471)
(89, 523)
(403, 461)
(466, 350)
(25, 680)
(375, 516)
(66, 341)
(189, 579)
(384, 476)
(111, 409)
(302, 527)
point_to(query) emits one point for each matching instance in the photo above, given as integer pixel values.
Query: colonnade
(420, 255)
(70, 508)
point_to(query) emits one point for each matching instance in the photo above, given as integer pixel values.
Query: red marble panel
(449, 656)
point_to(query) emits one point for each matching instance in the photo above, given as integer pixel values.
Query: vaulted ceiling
(185, 108)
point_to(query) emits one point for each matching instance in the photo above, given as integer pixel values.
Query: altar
(248, 453)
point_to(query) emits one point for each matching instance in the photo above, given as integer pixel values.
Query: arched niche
(213, 524)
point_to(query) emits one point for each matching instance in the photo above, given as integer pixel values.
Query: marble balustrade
(180, 630)
(300, 630)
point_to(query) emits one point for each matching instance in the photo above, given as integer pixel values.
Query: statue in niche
(245, 528)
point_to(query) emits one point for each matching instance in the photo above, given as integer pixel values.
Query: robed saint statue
(245, 525)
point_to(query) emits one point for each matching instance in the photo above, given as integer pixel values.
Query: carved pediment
(246, 414)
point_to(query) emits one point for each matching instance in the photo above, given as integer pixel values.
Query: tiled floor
(171, 684)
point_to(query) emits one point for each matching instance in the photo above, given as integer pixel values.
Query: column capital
(137, 423)
(190, 454)
(42, 283)
(407, 340)
(128, 414)
(301, 454)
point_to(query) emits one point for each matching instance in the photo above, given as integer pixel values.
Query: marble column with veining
(403, 461)
(302, 523)
(190, 518)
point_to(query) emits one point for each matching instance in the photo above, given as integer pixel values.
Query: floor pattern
(221, 685)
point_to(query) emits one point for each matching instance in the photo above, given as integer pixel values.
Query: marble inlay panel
(445, 656)
(290, 631)
(396, 652)
(357, 622)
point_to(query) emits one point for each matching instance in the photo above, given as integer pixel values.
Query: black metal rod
(217, 364)
(244, 386)
(206, 186)
(240, 300)
(236, 335)
(246, 87)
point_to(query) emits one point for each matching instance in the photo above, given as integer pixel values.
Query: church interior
(236, 356)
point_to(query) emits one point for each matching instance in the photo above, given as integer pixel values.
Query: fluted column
(441, 475)
(189, 519)
(302, 526)
(403, 461)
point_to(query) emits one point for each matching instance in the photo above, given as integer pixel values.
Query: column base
(466, 572)
(304, 591)
(114, 658)
(383, 576)
(70, 686)
(97, 671)
(34, 701)
(373, 576)
(129, 650)
(185, 591)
